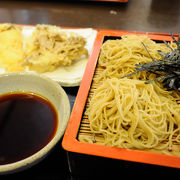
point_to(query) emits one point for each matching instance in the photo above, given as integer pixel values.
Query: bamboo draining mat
(85, 134)
(84, 130)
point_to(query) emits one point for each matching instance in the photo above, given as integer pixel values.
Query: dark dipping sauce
(27, 123)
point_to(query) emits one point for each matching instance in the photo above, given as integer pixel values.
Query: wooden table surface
(136, 15)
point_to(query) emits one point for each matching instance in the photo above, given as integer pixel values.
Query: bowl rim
(11, 167)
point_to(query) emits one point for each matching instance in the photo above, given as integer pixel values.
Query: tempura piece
(11, 48)
(49, 48)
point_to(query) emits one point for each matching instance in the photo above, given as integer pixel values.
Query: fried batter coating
(9, 26)
(49, 48)
(11, 48)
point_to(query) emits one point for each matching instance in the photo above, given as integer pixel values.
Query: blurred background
(135, 15)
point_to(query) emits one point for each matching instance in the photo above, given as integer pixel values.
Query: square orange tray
(70, 141)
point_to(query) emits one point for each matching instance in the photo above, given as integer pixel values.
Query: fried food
(11, 48)
(49, 48)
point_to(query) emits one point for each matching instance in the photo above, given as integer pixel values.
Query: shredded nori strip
(167, 69)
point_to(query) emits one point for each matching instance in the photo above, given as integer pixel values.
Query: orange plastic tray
(70, 142)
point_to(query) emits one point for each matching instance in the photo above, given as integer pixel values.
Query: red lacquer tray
(70, 141)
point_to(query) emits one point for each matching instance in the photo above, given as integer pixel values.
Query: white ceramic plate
(68, 75)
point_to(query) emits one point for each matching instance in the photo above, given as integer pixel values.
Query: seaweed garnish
(167, 69)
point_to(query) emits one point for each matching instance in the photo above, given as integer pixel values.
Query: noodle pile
(118, 57)
(128, 113)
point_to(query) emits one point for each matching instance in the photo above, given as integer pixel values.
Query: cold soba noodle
(128, 113)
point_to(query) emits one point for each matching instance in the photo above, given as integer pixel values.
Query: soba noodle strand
(131, 114)
(127, 113)
(118, 57)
